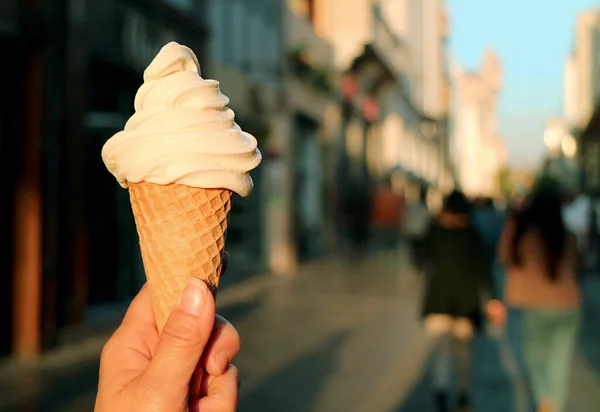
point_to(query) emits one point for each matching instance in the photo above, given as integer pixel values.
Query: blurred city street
(339, 336)
(351, 136)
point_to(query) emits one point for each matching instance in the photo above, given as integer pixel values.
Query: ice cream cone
(181, 155)
(182, 233)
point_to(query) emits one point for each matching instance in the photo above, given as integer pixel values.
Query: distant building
(479, 151)
(571, 101)
(427, 28)
(372, 60)
(582, 96)
(427, 32)
(584, 85)
(409, 137)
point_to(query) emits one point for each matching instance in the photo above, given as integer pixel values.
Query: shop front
(12, 123)
(308, 175)
(71, 235)
(312, 136)
(246, 226)
(365, 86)
(28, 138)
(246, 229)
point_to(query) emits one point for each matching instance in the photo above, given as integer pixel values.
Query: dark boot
(441, 402)
(464, 404)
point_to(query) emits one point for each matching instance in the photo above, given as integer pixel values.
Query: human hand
(141, 371)
(496, 312)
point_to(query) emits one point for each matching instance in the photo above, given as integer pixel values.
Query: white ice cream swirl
(182, 132)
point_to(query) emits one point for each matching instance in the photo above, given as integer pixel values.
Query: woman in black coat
(458, 276)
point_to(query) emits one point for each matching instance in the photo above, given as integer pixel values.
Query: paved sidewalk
(336, 337)
(348, 338)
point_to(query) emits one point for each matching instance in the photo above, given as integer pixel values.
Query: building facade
(571, 91)
(478, 150)
(244, 55)
(21, 147)
(75, 242)
(586, 66)
(308, 124)
(124, 37)
(428, 31)
(404, 140)
(424, 28)
(279, 76)
(581, 98)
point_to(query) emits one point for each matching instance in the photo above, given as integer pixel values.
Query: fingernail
(222, 361)
(194, 297)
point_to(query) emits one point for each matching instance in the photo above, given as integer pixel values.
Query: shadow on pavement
(296, 387)
(234, 313)
(420, 396)
(491, 389)
(49, 391)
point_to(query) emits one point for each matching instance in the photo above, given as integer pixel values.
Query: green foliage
(319, 77)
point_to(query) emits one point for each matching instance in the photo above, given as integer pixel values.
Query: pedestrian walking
(415, 223)
(576, 214)
(387, 208)
(458, 275)
(357, 212)
(489, 221)
(543, 295)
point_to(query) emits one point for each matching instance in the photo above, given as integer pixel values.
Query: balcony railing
(318, 77)
(310, 56)
(301, 34)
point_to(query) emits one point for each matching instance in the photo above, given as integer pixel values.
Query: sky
(532, 39)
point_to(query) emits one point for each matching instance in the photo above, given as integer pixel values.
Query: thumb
(183, 339)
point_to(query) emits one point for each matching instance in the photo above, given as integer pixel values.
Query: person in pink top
(541, 259)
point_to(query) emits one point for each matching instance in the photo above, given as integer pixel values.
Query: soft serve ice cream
(182, 132)
(181, 155)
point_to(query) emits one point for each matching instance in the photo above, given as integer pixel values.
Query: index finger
(139, 322)
(222, 393)
(223, 347)
(140, 312)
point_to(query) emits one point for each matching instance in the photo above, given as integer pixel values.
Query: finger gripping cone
(182, 233)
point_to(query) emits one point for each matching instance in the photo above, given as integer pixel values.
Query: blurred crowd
(514, 264)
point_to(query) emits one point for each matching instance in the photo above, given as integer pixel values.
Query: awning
(370, 55)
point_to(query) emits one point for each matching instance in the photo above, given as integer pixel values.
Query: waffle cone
(182, 234)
